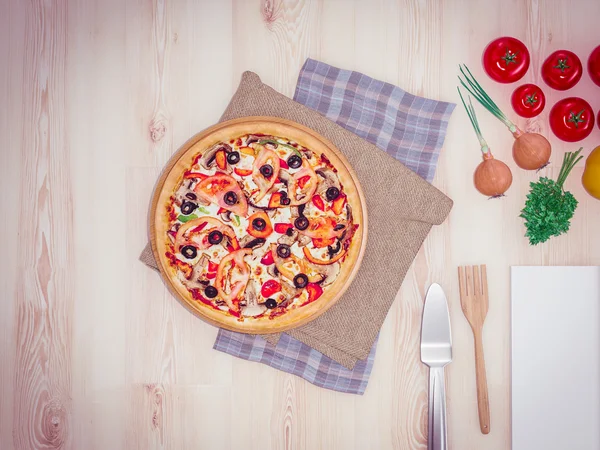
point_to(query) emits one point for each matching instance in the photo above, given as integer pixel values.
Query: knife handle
(437, 439)
(483, 401)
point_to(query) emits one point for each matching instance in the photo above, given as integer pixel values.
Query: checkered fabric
(409, 128)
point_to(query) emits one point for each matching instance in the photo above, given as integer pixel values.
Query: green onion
(274, 142)
(531, 151)
(492, 177)
(475, 89)
(473, 118)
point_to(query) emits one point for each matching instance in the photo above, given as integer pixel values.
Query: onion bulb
(492, 177)
(531, 151)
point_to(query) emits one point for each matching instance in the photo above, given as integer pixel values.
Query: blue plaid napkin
(409, 128)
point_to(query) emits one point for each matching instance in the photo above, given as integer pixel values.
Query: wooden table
(96, 95)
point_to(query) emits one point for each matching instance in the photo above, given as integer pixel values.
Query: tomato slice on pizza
(224, 191)
(259, 226)
(265, 172)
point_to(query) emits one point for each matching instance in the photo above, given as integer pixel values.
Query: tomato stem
(510, 57)
(562, 65)
(576, 118)
(530, 99)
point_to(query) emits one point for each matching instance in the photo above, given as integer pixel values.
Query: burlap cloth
(401, 207)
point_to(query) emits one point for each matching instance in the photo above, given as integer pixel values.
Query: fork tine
(461, 282)
(470, 280)
(484, 283)
(476, 282)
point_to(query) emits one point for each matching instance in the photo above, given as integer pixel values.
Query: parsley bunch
(549, 209)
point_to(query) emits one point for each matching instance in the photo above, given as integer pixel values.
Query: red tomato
(572, 119)
(269, 288)
(528, 100)
(506, 59)
(594, 66)
(216, 187)
(562, 70)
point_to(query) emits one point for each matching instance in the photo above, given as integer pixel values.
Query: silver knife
(436, 352)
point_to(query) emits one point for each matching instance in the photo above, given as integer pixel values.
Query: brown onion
(531, 151)
(492, 177)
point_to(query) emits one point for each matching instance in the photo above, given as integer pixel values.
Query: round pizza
(258, 227)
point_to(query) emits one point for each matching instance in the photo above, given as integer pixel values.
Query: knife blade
(436, 352)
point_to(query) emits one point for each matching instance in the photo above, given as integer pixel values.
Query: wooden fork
(474, 303)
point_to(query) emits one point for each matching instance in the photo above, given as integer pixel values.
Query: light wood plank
(44, 291)
(97, 95)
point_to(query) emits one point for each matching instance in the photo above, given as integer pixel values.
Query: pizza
(259, 227)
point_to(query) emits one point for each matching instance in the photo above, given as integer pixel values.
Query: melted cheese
(259, 272)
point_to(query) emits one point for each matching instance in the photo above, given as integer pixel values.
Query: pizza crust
(223, 132)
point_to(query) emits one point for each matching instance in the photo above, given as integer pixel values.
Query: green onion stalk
(531, 151)
(492, 177)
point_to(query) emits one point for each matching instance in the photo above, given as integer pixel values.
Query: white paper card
(555, 358)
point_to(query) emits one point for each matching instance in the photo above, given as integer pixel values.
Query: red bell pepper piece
(199, 228)
(303, 180)
(221, 159)
(314, 291)
(267, 260)
(338, 204)
(275, 200)
(198, 175)
(242, 172)
(283, 164)
(318, 202)
(282, 228)
(269, 288)
(322, 243)
(212, 270)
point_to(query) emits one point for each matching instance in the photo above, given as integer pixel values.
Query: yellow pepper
(591, 174)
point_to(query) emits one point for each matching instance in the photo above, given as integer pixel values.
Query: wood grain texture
(474, 300)
(95, 97)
